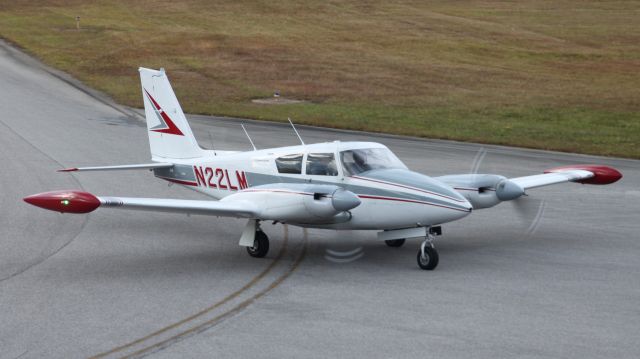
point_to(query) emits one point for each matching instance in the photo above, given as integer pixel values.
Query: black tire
(395, 242)
(431, 260)
(260, 245)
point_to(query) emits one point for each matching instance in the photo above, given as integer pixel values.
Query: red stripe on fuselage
(174, 180)
(410, 201)
(278, 191)
(363, 196)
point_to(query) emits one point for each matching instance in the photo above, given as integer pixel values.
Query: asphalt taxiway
(562, 283)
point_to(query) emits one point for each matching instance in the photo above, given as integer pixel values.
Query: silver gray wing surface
(237, 209)
(547, 179)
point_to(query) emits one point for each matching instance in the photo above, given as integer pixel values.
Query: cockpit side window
(321, 164)
(290, 164)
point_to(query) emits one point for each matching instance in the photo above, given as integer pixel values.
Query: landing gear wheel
(260, 245)
(395, 242)
(430, 259)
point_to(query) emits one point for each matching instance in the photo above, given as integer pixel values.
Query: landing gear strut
(428, 255)
(260, 245)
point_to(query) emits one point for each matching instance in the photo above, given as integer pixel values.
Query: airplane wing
(290, 202)
(487, 190)
(84, 202)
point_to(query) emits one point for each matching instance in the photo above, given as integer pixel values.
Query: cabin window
(321, 164)
(290, 164)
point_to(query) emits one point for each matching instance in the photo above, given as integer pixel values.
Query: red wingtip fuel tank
(602, 174)
(66, 201)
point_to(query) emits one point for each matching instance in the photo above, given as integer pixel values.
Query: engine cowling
(300, 203)
(485, 190)
(507, 190)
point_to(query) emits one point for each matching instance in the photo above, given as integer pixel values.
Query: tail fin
(169, 133)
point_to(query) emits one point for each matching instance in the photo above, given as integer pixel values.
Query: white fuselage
(390, 198)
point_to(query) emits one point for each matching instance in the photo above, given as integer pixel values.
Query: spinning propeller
(529, 210)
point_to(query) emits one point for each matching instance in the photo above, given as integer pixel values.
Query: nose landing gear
(427, 254)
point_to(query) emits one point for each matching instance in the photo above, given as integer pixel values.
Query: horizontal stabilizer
(143, 166)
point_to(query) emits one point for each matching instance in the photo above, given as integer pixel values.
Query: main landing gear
(427, 254)
(260, 246)
(395, 242)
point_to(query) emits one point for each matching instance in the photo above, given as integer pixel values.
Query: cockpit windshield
(362, 160)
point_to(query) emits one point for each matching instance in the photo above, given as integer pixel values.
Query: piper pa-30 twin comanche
(334, 185)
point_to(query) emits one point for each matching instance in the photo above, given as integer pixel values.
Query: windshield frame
(391, 161)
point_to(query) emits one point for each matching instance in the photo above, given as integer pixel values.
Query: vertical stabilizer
(169, 133)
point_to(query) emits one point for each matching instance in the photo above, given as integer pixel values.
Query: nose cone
(450, 194)
(454, 205)
(456, 201)
(343, 200)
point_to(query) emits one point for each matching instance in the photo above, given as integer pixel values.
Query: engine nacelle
(300, 203)
(484, 191)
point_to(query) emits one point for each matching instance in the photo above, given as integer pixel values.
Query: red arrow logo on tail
(166, 124)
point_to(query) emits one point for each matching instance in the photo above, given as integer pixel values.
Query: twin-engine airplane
(333, 185)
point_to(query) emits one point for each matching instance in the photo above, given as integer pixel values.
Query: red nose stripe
(602, 174)
(65, 201)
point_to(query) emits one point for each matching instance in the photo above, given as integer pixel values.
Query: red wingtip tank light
(65, 201)
(601, 174)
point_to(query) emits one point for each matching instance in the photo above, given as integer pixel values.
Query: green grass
(561, 75)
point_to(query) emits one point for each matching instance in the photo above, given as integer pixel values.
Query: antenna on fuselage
(249, 137)
(296, 131)
(211, 139)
